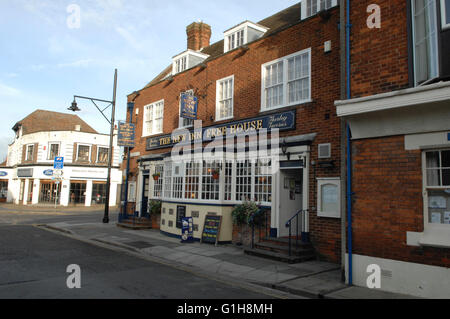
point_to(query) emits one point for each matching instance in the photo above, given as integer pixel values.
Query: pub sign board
(189, 106)
(126, 135)
(283, 121)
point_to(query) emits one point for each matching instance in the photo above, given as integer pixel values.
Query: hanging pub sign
(189, 105)
(127, 132)
(283, 121)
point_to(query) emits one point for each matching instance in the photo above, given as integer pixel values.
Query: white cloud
(6, 90)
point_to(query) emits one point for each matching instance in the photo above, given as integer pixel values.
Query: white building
(29, 169)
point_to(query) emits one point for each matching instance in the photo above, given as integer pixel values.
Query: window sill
(224, 119)
(434, 236)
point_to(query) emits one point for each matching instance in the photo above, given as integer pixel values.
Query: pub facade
(249, 118)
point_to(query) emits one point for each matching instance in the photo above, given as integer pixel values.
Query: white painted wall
(403, 277)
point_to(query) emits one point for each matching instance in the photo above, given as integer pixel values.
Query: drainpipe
(349, 153)
(130, 107)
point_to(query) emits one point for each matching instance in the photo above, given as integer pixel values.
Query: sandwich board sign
(59, 163)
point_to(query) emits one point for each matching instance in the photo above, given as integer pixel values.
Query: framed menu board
(211, 229)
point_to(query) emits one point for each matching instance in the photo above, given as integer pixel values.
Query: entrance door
(145, 190)
(30, 191)
(50, 193)
(291, 199)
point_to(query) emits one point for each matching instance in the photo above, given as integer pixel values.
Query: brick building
(399, 118)
(280, 73)
(29, 177)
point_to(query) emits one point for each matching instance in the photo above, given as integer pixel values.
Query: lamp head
(74, 107)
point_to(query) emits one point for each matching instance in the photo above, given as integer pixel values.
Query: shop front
(211, 179)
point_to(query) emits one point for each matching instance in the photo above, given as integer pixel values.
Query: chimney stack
(198, 35)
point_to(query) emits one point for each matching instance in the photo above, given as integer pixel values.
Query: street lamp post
(112, 103)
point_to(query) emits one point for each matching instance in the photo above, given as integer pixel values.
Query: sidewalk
(313, 279)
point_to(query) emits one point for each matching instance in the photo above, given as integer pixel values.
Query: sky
(52, 50)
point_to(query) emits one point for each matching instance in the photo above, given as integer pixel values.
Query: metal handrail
(289, 224)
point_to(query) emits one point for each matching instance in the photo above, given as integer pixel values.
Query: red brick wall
(379, 57)
(316, 117)
(388, 202)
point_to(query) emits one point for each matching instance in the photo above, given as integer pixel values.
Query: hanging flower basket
(215, 174)
(156, 176)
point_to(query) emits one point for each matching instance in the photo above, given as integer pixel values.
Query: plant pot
(215, 176)
(155, 178)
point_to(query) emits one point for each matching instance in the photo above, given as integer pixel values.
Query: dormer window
(236, 40)
(312, 7)
(242, 34)
(187, 60)
(181, 64)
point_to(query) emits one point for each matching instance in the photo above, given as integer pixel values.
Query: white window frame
(98, 153)
(218, 98)
(152, 106)
(285, 81)
(435, 41)
(336, 182)
(426, 188)
(444, 8)
(78, 151)
(26, 152)
(181, 119)
(304, 7)
(50, 148)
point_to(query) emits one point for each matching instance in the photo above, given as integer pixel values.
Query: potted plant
(156, 176)
(242, 215)
(215, 174)
(154, 207)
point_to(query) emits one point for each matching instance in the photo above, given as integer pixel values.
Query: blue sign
(48, 172)
(189, 105)
(448, 136)
(282, 121)
(3, 174)
(59, 163)
(127, 132)
(187, 230)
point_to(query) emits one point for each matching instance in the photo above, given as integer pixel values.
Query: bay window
(232, 181)
(287, 81)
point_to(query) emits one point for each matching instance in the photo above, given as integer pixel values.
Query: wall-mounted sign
(25, 172)
(127, 132)
(448, 136)
(3, 174)
(189, 105)
(282, 121)
(48, 172)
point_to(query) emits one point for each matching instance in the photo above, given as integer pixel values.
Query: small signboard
(127, 132)
(189, 105)
(59, 163)
(211, 229)
(187, 230)
(3, 174)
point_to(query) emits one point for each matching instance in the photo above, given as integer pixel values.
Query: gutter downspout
(349, 153)
(130, 108)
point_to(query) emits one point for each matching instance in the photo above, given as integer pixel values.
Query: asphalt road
(33, 264)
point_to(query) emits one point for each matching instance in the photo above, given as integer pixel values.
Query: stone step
(301, 250)
(284, 241)
(279, 257)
